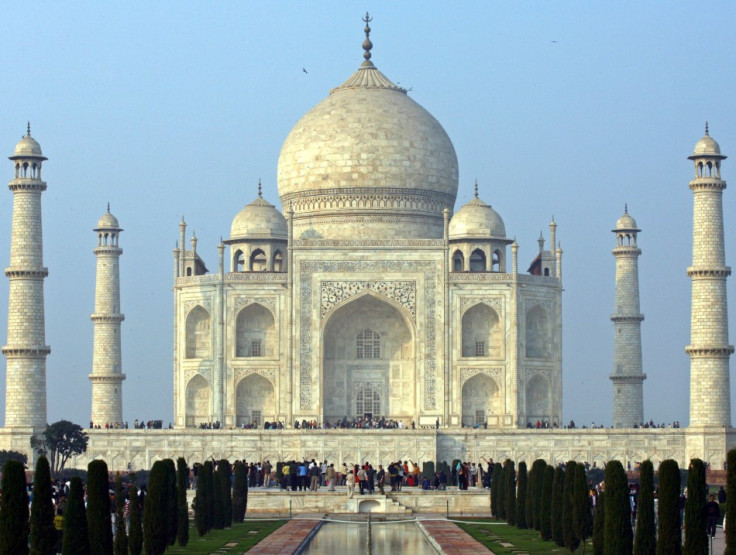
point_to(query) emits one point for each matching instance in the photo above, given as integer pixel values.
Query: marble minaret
(627, 377)
(107, 368)
(709, 350)
(26, 349)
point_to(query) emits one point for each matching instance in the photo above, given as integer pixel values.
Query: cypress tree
(545, 514)
(155, 517)
(200, 504)
(645, 541)
(502, 494)
(537, 501)
(76, 538)
(219, 514)
(182, 480)
(534, 493)
(510, 476)
(731, 503)
(225, 471)
(556, 506)
(99, 525)
(172, 502)
(14, 510)
(599, 525)
(43, 533)
(209, 469)
(669, 537)
(696, 535)
(530, 498)
(240, 485)
(521, 482)
(568, 529)
(617, 532)
(495, 479)
(135, 534)
(582, 519)
(120, 542)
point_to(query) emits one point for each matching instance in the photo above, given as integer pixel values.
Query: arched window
(458, 262)
(238, 261)
(538, 333)
(255, 332)
(367, 401)
(496, 261)
(368, 344)
(258, 261)
(278, 262)
(198, 333)
(477, 261)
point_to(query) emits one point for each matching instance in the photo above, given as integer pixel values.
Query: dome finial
(626, 207)
(260, 194)
(108, 207)
(367, 44)
(706, 129)
(28, 129)
(476, 188)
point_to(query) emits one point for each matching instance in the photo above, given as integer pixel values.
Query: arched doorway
(481, 401)
(368, 361)
(254, 401)
(198, 409)
(538, 405)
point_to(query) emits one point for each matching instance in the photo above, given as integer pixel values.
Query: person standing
(350, 482)
(330, 476)
(712, 512)
(381, 479)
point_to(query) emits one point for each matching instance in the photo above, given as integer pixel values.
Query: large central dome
(368, 162)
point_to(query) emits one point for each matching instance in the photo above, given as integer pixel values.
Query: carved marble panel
(268, 373)
(495, 373)
(335, 292)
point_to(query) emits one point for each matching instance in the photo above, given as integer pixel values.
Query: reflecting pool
(386, 539)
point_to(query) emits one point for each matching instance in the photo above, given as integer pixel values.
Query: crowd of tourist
(142, 425)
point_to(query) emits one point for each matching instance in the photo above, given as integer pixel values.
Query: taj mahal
(365, 293)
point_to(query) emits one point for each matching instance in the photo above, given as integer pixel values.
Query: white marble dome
(476, 220)
(626, 222)
(259, 220)
(368, 161)
(107, 221)
(28, 147)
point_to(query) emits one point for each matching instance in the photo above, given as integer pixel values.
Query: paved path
(451, 539)
(286, 539)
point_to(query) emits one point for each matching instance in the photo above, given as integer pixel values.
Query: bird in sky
(304, 70)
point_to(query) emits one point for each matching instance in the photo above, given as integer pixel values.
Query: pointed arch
(238, 261)
(198, 399)
(255, 332)
(254, 401)
(198, 333)
(458, 261)
(538, 333)
(481, 400)
(258, 261)
(538, 399)
(478, 261)
(278, 261)
(481, 332)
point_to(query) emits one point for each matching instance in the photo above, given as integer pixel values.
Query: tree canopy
(59, 442)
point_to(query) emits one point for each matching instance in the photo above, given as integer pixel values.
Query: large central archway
(368, 361)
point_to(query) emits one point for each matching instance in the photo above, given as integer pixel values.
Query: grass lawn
(239, 538)
(494, 536)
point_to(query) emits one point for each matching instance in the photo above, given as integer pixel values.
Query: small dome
(28, 147)
(259, 220)
(626, 222)
(707, 146)
(477, 220)
(108, 221)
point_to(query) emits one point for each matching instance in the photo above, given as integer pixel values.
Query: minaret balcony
(709, 350)
(627, 378)
(627, 318)
(713, 272)
(27, 184)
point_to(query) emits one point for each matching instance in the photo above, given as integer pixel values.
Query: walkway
(451, 539)
(286, 539)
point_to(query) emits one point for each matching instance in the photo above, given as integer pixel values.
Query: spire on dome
(108, 207)
(706, 129)
(260, 192)
(28, 134)
(626, 204)
(367, 44)
(476, 188)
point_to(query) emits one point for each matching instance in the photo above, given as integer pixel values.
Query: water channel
(386, 538)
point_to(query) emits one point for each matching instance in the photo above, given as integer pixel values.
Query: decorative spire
(260, 193)
(476, 188)
(367, 44)
(108, 207)
(706, 129)
(626, 204)
(29, 129)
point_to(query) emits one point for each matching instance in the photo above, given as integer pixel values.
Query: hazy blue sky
(568, 109)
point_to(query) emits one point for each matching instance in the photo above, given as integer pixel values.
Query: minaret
(710, 401)
(107, 368)
(26, 350)
(627, 377)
